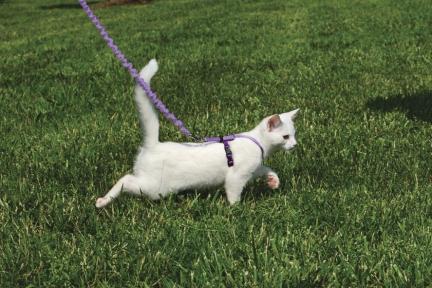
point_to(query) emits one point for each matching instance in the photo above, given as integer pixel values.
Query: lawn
(355, 203)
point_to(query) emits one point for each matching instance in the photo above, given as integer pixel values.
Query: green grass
(355, 204)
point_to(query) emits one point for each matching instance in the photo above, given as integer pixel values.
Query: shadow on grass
(65, 5)
(416, 106)
(253, 191)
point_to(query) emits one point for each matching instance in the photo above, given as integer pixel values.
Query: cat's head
(279, 130)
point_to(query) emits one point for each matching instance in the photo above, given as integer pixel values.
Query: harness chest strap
(226, 139)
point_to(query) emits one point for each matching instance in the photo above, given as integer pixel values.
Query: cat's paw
(102, 202)
(273, 181)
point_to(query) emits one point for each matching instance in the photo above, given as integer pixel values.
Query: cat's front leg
(234, 184)
(272, 178)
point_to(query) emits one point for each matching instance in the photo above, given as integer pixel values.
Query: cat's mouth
(291, 149)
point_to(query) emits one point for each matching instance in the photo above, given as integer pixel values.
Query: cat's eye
(286, 137)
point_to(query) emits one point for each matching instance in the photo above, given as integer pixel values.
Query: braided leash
(133, 72)
(153, 97)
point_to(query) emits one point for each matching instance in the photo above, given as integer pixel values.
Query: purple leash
(133, 72)
(153, 97)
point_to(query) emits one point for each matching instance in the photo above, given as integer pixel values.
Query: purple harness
(226, 139)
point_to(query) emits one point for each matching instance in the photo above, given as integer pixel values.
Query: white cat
(162, 168)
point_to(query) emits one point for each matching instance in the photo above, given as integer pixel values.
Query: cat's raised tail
(147, 114)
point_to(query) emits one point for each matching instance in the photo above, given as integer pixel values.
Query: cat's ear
(290, 115)
(274, 122)
(293, 114)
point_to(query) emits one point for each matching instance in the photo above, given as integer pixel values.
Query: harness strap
(226, 139)
(253, 140)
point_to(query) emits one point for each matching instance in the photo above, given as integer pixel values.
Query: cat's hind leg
(128, 183)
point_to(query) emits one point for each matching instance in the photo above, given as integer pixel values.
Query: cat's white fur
(162, 168)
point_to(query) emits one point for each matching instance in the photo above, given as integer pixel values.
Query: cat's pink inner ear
(274, 122)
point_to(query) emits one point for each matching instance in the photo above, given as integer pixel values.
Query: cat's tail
(147, 114)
